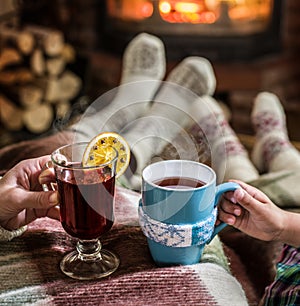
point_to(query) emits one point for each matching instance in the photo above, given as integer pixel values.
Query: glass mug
(86, 210)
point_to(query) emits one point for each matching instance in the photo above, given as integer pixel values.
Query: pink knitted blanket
(30, 274)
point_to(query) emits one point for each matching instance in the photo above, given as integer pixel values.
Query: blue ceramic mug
(177, 212)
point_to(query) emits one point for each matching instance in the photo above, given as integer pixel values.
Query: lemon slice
(100, 150)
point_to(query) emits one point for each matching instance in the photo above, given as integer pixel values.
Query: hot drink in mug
(178, 210)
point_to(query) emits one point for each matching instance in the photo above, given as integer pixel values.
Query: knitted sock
(170, 111)
(229, 158)
(142, 71)
(272, 151)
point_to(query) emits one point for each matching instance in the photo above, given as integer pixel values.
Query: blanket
(30, 273)
(29, 265)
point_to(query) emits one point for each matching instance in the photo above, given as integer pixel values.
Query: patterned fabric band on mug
(177, 235)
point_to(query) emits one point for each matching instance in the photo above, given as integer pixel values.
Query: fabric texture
(281, 187)
(285, 290)
(143, 68)
(138, 281)
(177, 235)
(229, 158)
(6, 235)
(272, 150)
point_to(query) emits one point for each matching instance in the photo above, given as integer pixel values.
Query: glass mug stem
(89, 250)
(89, 261)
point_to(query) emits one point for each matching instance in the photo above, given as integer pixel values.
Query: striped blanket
(30, 274)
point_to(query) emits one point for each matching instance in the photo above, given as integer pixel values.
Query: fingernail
(53, 198)
(230, 221)
(237, 211)
(233, 200)
(239, 193)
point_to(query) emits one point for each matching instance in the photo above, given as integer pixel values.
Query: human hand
(251, 211)
(22, 199)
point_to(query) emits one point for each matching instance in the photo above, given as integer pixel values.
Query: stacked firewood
(36, 85)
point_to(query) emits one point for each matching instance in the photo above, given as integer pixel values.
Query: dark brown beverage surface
(179, 183)
(86, 209)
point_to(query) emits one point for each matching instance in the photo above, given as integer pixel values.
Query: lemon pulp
(100, 151)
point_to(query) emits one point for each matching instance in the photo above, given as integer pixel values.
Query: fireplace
(216, 29)
(248, 55)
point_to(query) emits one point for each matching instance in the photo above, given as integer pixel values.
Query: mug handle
(51, 186)
(224, 187)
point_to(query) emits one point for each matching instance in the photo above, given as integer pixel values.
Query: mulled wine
(86, 204)
(179, 183)
(86, 210)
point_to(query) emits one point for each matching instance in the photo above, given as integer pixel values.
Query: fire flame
(186, 11)
(192, 11)
(209, 11)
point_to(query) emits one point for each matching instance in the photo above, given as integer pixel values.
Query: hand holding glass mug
(85, 179)
(178, 210)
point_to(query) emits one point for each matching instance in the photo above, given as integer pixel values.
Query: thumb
(40, 199)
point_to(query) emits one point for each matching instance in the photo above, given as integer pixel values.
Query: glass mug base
(102, 265)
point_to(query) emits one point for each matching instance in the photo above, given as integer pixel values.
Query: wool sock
(229, 158)
(273, 150)
(169, 113)
(143, 69)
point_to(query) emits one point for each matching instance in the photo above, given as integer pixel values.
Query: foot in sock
(142, 71)
(143, 59)
(170, 111)
(273, 150)
(229, 158)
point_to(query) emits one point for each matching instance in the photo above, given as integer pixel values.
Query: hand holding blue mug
(178, 210)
